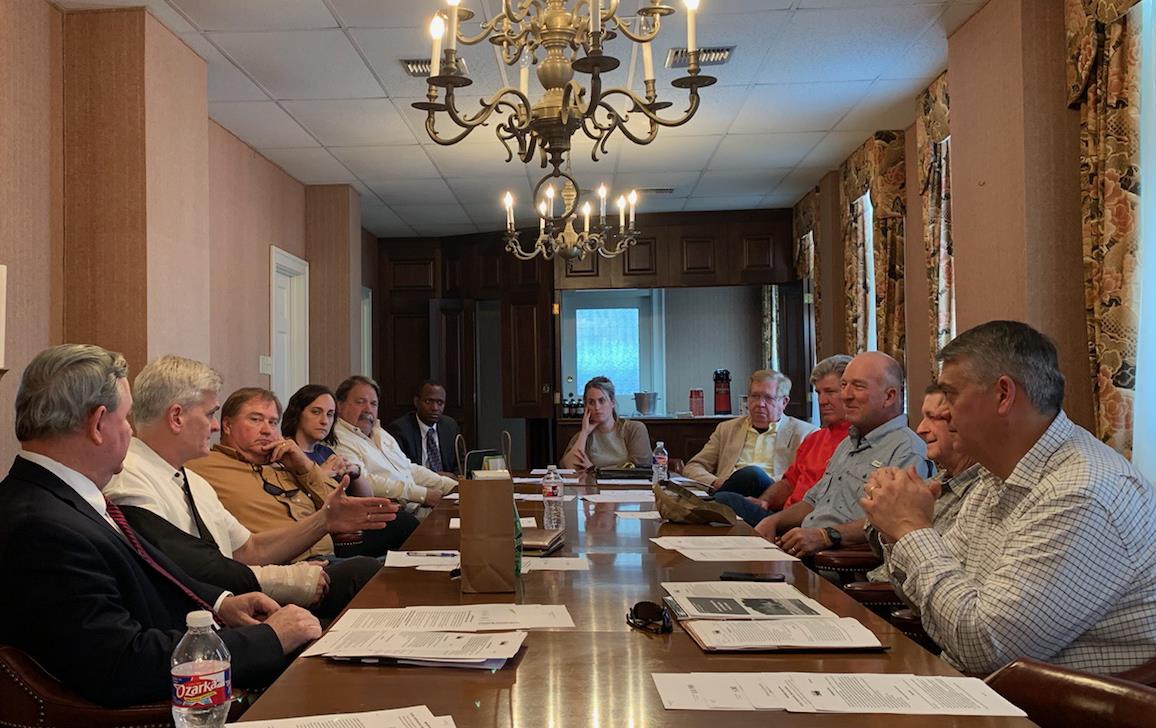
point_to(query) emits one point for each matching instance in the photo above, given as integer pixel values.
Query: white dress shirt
(389, 470)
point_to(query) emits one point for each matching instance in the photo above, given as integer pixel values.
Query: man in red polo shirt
(813, 453)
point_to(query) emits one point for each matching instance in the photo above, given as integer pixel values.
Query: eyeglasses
(650, 617)
(270, 488)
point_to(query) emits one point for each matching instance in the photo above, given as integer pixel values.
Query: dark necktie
(118, 518)
(433, 453)
(206, 535)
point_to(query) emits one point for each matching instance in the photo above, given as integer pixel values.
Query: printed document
(782, 634)
(456, 618)
(639, 515)
(555, 563)
(620, 496)
(527, 522)
(422, 558)
(742, 600)
(418, 716)
(430, 646)
(713, 542)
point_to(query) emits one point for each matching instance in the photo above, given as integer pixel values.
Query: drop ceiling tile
(488, 191)
(739, 184)
(958, 14)
(303, 64)
(388, 13)
(351, 122)
(751, 35)
(375, 164)
(681, 182)
(367, 196)
(472, 160)
(310, 166)
(784, 200)
(731, 7)
(668, 152)
(888, 105)
(718, 110)
(257, 14)
(260, 124)
(161, 10)
(796, 106)
(834, 149)
(740, 202)
(798, 183)
(438, 230)
(385, 48)
(759, 151)
(225, 81)
(844, 45)
(448, 213)
(858, 3)
(383, 222)
(660, 203)
(927, 57)
(487, 217)
(466, 103)
(413, 192)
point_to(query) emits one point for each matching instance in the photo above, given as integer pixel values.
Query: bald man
(830, 516)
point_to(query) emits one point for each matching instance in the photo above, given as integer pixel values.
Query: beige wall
(1015, 181)
(253, 205)
(333, 248)
(31, 189)
(832, 293)
(370, 260)
(916, 289)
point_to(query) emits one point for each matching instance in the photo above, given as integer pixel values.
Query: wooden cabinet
(452, 349)
(528, 354)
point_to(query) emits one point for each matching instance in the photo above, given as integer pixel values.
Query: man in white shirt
(360, 438)
(99, 608)
(179, 512)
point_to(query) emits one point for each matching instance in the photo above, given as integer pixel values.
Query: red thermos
(722, 392)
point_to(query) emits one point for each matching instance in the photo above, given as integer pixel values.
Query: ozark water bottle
(658, 464)
(552, 500)
(202, 682)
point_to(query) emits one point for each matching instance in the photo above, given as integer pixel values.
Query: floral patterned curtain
(933, 145)
(877, 168)
(1103, 82)
(806, 231)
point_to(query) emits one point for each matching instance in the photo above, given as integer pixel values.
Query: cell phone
(748, 576)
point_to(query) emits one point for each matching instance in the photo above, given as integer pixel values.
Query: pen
(446, 554)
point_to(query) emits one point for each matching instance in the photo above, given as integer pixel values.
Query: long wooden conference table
(597, 673)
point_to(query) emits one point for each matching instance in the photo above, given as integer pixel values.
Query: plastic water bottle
(658, 464)
(202, 681)
(552, 499)
(517, 542)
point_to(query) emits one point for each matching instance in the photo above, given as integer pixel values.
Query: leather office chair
(878, 596)
(1055, 697)
(1144, 674)
(29, 697)
(847, 564)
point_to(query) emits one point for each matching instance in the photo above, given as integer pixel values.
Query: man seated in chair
(427, 434)
(269, 483)
(99, 608)
(175, 509)
(813, 454)
(829, 516)
(1053, 554)
(746, 454)
(361, 439)
(957, 472)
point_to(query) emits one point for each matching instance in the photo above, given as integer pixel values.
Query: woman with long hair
(606, 440)
(308, 419)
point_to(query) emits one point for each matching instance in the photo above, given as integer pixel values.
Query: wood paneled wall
(333, 249)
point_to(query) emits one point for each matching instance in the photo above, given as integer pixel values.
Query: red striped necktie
(117, 516)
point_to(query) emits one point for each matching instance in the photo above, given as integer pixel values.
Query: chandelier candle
(437, 29)
(453, 45)
(691, 40)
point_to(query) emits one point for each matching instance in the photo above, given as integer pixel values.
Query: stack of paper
(620, 496)
(527, 522)
(555, 563)
(456, 618)
(740, 600)
(418, 716)
(561, 471)
(448, 649)
(801, 692)
(783, 634)
(538, 497)
(431, 560)
(724, 548)
(538, 481)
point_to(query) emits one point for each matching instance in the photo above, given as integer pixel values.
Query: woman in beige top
(605, 441)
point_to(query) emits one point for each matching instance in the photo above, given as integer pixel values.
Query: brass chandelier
(569, 40)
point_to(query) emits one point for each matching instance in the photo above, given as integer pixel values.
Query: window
(606, 343)
(1144, 415)
(869, 273)
(618, 334)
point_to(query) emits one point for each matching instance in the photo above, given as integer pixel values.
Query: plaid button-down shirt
(1057, 562)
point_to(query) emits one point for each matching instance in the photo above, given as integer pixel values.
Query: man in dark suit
(426, 435)
(99, 608)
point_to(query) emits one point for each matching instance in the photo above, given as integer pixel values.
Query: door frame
(282, 262)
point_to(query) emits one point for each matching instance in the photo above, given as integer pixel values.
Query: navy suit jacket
(405, 430)
(88, 608)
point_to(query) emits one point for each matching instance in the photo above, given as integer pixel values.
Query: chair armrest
(1144, 674)
(674, 466)
(875, 593)
(856, 558)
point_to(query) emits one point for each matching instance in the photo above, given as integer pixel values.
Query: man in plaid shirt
(1053, 554)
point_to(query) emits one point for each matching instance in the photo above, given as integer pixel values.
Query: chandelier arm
(619, 122)
(640, 107)
(637, 38)
(443, 141)
(488, 108)
(517, 16)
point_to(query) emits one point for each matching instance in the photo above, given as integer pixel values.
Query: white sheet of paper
(620, 496)
(452, 496)
(842, 632)
(699, 691)
(457, 617)
(450, 646)
(527, 522)
(895, 694)
(537, 497)
(561, 471)
(639, 515)
(622, 481)
(736, 555)
(419, 716)
(744, 600)
(438, 567)
(421, 558)
(713, 542)
(538, 481)
(555, 563)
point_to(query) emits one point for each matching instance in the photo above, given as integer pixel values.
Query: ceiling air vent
(419, 67)
(656, 191)
(678, 57)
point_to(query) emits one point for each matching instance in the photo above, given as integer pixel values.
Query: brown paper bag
(487, 536)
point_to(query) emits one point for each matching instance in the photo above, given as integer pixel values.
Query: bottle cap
(659, 444)
(199, 618)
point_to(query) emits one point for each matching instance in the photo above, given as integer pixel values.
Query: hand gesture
(246, 609)
(587, 423)
(768, 528)
(348, 514)
(803, 541)
(294, 627)
(289, 453)
(898, 502)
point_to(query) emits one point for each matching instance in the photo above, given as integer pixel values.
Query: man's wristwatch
(834, 536)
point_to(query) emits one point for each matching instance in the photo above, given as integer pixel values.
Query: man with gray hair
(813, 454)
(98, 607)
(746, 454)
(1053, 553)
(175, 412)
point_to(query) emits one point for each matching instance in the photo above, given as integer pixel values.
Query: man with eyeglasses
(268, 483)
(427, 434)
(746, 454)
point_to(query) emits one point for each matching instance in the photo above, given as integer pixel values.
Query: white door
(367, 331)
(288, 323)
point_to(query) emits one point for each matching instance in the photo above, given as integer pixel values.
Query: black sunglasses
(270, 488)
(650, 617)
